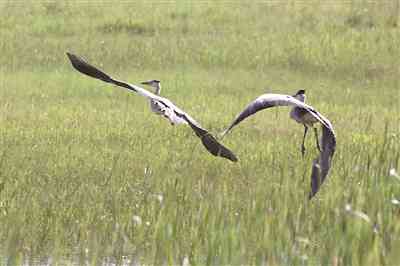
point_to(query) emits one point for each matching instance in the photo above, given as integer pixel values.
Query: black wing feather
(322, 164)
(251, 109)
(210, 142)
(82, 66)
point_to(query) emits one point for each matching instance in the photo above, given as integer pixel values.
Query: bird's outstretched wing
(174, 113)
(322, 164)
(208, 140)
(84, 67)
(271, 100)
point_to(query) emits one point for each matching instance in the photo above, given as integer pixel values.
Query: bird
(307, 116)
(159, 105)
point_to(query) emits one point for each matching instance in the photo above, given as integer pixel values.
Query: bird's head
(153, 83)
(300, 95)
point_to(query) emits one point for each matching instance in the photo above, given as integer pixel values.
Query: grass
(89, 175)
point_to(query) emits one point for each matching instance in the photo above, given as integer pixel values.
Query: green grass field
(89, 175)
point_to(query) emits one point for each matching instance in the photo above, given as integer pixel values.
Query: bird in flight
(159, 105)
(303, 114)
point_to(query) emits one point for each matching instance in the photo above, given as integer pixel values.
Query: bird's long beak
(145, 82)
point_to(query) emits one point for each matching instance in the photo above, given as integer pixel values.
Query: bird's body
(158, 105)
(303, 114)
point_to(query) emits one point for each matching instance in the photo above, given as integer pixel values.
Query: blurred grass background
(89, 175)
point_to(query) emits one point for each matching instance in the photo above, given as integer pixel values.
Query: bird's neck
(157, 89)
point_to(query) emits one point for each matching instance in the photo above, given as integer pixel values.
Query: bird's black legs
(303, 148)
(316, 138)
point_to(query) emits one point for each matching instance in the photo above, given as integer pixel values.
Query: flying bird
(159, 105)
(303, 114)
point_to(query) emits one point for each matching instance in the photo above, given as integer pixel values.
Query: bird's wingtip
(223, 133)
(69, 54)
(73, 58)
(311, 195)
(235, 159)
(229, 155)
